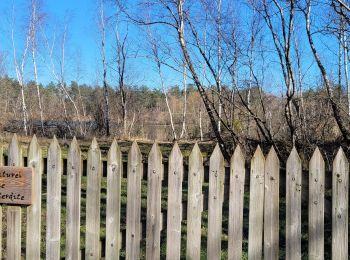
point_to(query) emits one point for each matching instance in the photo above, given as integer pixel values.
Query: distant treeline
(148, 116)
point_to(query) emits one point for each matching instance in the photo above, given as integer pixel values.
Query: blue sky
(83, 46)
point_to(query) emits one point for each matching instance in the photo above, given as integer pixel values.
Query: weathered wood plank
(14, 213)
(114, 173)
(194, 204)
(94, 172)
(340, 205)
(236, 200)
(13, 239)
(154, 188)
(271, 206)
(34, 210)
(256, 205)
(53, 203)
(216, 198)
(316, 206)
(293, 206)
(133, 206)
(73, 202)
(174, 203)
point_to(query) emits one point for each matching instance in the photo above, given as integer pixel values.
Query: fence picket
(73, 202)
(14, 213)
(34, 210)
(114, 173)
(236, 200)
(53, 203)
(174, 203)
(264, 209)
(316, 206)
(271, 206)
(340, 202)
(133, 214)
(293, 206)
(194, 204)
(216, 198)
(94, 172)
(154, 188)
(256, 205)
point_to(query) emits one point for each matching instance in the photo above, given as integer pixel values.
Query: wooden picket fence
(264, 196)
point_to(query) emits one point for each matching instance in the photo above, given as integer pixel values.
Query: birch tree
(19, 64)
(59, 45)
(35, 19)
(341, 122)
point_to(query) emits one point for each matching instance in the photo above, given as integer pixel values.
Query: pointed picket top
(176, 152)
(238, 155)
(155, 153)
(340, 159)
(135, 150)
(94, 157)
(317, 158)
(316, 205)
(272, 155)
(94, 154)
(294, 156)
(258, 155)
(54, 145)
(14, 139)
(153, 227)
(293, 205)
(236, 194)
(258, 152)
(14, 152)
(53, 224)
(216, 154)
(133, 219)
(74, 146)
(271, 205)
(272, 165)
(113, 150)
(94, 144)
(195, 203)
(340, 204)
(54, 151)
(34, 153)
(196, 154)
(34, 145)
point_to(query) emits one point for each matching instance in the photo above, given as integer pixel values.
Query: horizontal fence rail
(151, 209)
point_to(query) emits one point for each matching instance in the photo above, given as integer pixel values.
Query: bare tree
(283, 44)
(35, 19)
(183, 130)
(19, 67)
(121, 64)
(157, 60)
(218, 34)
(102, 29)
(59, 75)
(176, 18)
(335, 107)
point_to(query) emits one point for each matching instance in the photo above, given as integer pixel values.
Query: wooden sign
(16, 185)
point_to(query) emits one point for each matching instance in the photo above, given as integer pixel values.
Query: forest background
(237, 72)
